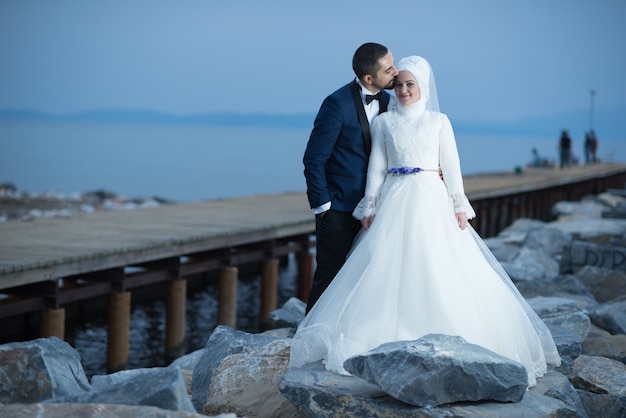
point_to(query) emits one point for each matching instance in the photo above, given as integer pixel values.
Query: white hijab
(421, 70)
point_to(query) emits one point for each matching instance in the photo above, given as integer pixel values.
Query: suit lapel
(384, 103)
(360, 110)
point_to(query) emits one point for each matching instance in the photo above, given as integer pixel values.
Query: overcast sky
(492, 59)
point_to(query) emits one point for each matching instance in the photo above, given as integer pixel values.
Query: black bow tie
(370, 97)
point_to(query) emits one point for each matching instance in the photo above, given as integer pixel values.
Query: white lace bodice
(404, 140)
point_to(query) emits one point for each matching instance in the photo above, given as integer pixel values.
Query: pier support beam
(53, 323)
(119, 329)
(227, 314)
(269, 289)
(175, 318)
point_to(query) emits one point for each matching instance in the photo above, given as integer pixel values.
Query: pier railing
(534, 193)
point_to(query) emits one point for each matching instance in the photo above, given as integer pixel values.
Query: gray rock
(607, 345)
(550, 241)
(290, 314)
(188, 361)
(45, 369)
(439, 369)
(567, 343)
(564, 313)
(557, 386)
(592, 230)
(599, 375)
(531, 264)
(322, 394)
(603, 405)
(501, 249)
(610, 316)
(563, 286)
(75, 410)
(223, 341)
(163, 387)
(517, 231)
(604, 284)
(247, 383)
(584, 209)
(579, 254)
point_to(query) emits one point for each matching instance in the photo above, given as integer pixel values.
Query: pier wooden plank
(44, 249)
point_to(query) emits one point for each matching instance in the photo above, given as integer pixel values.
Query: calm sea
(186, 163)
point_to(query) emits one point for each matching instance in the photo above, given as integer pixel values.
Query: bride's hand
(367, 221)
(461, 219)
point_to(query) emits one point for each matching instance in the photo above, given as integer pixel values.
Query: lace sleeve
(462, 205)
(376, 172)
(451, 169)
(366, 207)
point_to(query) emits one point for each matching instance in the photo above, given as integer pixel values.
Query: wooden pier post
(175, 318)
(53, 323)
(269, 288)
(227, 314)
(119, 329)
(305, 274)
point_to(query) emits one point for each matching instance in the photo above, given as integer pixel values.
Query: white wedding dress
(414, 271)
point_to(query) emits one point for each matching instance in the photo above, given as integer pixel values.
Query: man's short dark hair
(365, 60)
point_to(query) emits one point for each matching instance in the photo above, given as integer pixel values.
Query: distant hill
(152, 117)
(609, 123)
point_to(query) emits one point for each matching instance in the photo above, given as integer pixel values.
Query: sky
(493, 60)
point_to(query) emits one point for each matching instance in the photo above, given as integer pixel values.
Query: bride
(417, 266)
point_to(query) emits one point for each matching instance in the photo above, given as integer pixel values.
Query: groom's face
(385, 76)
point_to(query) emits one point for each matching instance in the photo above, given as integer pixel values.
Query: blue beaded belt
(399, 171)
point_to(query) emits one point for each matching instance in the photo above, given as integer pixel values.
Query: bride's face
(407, 89)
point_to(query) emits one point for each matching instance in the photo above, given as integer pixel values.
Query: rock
(291, 313)
(579, 254)
(606, 345)
(530, 265)
(439, 369)
(602, 406)
(599, 375)
(564, 313)
(163, 387)
(516, 232)
(45, 369)
(593, 230)
(550, 241)
(188, 361)
(585, 209)
(567, 343)
(223, 341)
(557, 386)
(247, 383)
(322, 394)
(562, 286)
(610, 316)
(74, 410)
(604, 284)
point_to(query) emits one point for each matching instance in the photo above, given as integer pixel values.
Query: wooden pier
(48, 263)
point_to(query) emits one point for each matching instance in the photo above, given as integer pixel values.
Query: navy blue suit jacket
(337, 155)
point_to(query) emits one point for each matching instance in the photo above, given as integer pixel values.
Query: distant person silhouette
(565, 149)
(594, 145)
(536, 161)
(587, 147)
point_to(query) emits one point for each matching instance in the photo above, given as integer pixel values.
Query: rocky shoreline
(19, 205)
(572, 271)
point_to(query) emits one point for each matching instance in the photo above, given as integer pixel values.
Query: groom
(336, 158)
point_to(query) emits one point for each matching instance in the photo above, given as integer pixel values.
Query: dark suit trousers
(335, 233)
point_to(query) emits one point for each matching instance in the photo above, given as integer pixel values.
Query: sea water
(192, 162)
